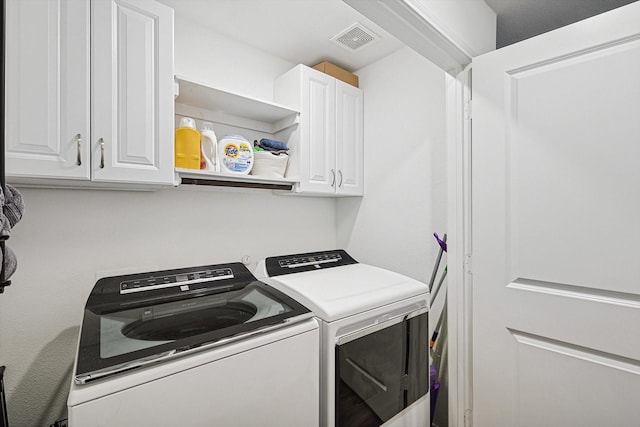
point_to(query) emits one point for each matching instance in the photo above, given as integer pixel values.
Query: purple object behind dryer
(442, 243)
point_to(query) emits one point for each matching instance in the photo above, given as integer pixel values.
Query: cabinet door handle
(333, 182)
(101, 153)
(340, 173)
(79, 143)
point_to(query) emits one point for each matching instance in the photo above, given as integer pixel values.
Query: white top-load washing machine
(374, 350)
(201, 346)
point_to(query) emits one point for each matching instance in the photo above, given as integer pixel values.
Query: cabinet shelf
(208, 103)
(204, 177)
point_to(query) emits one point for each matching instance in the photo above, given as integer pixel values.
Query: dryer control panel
(289, 264)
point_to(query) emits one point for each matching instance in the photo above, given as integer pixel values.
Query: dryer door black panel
(381, 373)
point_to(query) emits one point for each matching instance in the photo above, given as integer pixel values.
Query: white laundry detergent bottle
(209, 147)
(235, 155)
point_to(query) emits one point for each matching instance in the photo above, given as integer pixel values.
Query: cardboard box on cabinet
(337, 72)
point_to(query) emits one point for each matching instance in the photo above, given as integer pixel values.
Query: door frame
(423, 31)
(459, 256)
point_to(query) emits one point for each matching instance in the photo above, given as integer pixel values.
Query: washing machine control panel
(288, 264)
(182, 279)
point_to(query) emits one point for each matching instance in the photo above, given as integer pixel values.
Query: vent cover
(355, 37)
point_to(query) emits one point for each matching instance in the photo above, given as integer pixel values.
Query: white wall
(222, 62)
(405, 167)
(405, 175)
(68, 236)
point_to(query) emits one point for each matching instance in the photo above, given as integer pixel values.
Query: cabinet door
(349, 140)
(47, 89)
(132, 91)
(317, 148)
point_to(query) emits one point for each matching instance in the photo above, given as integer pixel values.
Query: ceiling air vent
(355, 37)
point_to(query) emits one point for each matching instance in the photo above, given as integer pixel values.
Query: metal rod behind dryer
(443, 248)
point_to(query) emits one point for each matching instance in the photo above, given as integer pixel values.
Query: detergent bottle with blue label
(235, 155)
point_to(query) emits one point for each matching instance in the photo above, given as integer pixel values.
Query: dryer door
(381, 370)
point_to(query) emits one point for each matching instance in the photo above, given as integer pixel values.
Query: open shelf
(208, 103)
(200, 101)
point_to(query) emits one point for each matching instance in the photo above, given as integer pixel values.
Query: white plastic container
(209, 145)
(235, 155)
(269, 165)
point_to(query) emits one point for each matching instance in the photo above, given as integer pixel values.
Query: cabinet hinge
(467, 110)
(468, 264)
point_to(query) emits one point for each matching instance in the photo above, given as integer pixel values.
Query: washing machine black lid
(130, 321)
(310, 261)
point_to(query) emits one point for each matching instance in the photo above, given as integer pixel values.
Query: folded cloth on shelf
(273, 145)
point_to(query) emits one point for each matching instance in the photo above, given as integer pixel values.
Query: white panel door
(317, 148)
(349, 140)
(47, 89)
(132, 91)
(556, 214)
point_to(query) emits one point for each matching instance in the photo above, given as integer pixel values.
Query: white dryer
(374, 344)
(195, 347)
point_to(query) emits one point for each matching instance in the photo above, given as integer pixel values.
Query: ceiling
(299, 31)
(522, 19)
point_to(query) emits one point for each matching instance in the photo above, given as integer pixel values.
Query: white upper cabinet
(316, 145)
(132, 91)
(47, 89)
(327, 146)
(349, 140)
(94, 98)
